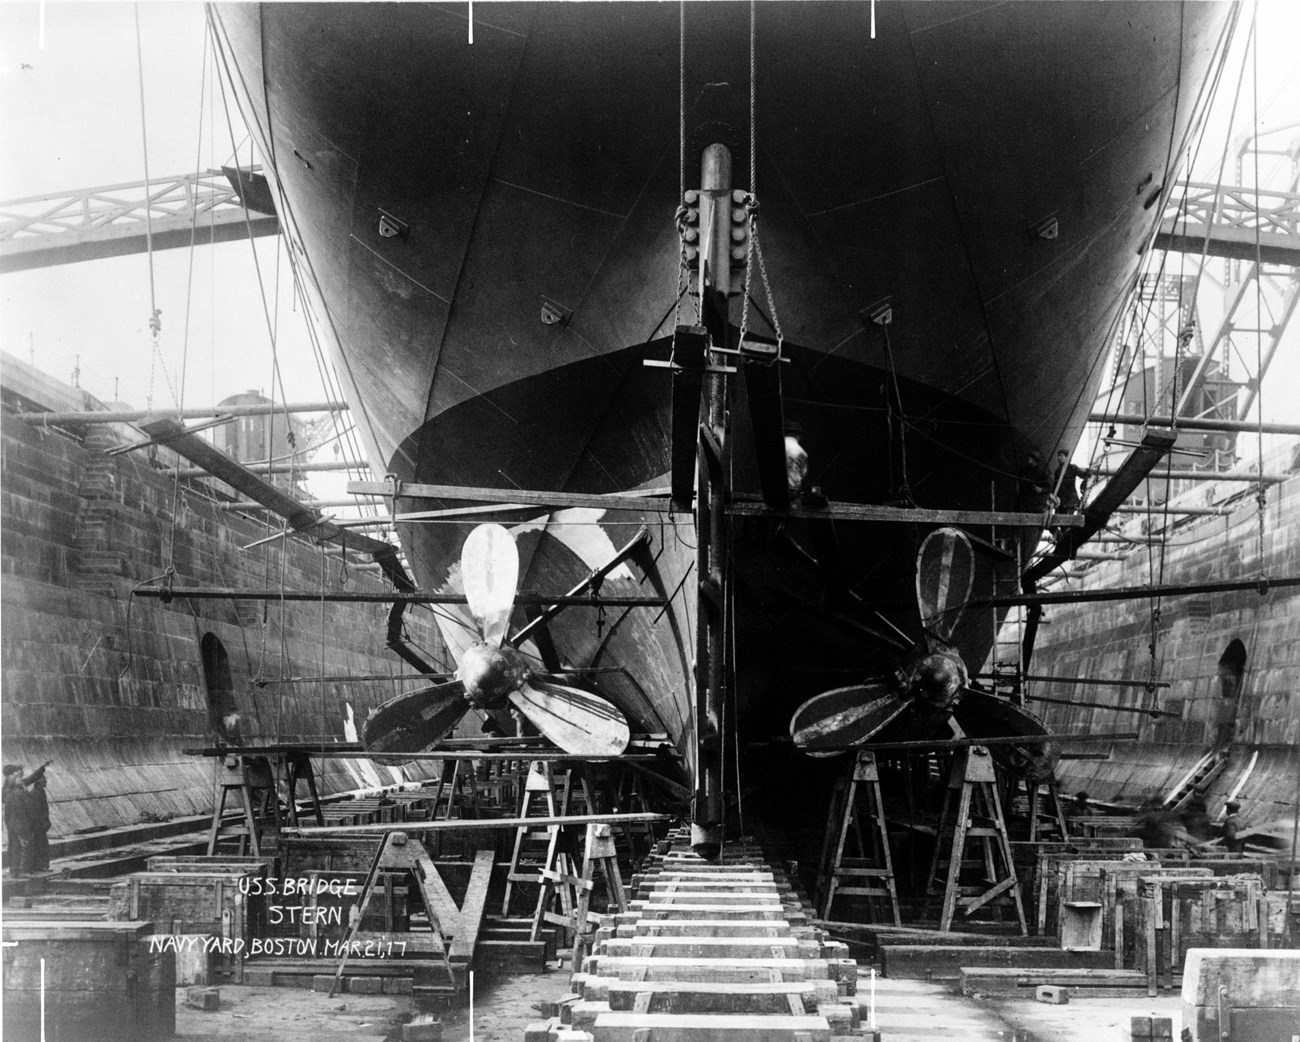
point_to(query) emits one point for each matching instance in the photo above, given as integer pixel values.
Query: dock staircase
(1197, 780)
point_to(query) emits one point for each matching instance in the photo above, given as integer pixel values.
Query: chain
(762, 268)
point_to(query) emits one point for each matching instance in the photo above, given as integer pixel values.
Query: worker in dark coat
(1065, 483)
(1034, 496)
(18, 819)
(1232, 837)
(38, 849)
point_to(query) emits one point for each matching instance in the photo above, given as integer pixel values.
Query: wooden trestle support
(976, 816)
(710, 949)
(871, 873)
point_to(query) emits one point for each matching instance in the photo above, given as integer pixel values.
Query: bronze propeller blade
(413, 722)
(845, 716)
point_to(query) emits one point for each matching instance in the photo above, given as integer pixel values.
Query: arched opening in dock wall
(223, 712)
(1231, 672)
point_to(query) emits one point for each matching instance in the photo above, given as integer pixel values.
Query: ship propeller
(491, 672)
(931, 683)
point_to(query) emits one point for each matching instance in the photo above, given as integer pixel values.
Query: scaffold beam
(67, 419)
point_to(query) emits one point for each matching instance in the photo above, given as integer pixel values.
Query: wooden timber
(474, 823)
(712, 950)
(652, 500)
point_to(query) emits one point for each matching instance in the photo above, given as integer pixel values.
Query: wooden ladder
(978, 817)
(872, 869)
(576, 889)
(539, 786)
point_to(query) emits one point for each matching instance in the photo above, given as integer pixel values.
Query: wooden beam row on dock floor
(710, 951)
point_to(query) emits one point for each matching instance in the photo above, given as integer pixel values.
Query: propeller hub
(489, 673)
(938, 679)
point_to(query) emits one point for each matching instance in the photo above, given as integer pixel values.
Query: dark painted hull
(539, 168)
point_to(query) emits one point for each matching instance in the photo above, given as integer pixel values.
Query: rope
(753, 97)
(148, 192)
(1261, 493)
(189, 300)
(681, 100)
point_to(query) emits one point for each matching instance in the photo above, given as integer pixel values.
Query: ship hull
(486, 232)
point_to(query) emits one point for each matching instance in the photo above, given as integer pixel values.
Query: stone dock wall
(112, 686)
(1193, 635)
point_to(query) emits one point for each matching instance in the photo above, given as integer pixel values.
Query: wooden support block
(691, 1027)
(764, 909)
(510, 956)
(206, 999)
(687, 997)
(712, 928)
(1052, 994)
(583, 1013)
(366, 985)
(1101, 983)
(424, 1027)
(539, 1031)
(842, 1017)
(712, 970)
(714, 947)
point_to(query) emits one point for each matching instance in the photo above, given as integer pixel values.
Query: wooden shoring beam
(838, 511)
(1132, 472)
(1211, 475)
(461, 824)
(658, 500)
(61, 419)
(169, 430)
(1192, 423)
(333, 752)
(1180, 511)
(651, 500)
(1097, 705)
(1045, 679)
(1136, 593)
(227, 594)
(359, 678)
(966, 743)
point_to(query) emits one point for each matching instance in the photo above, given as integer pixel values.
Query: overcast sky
(70, 117)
